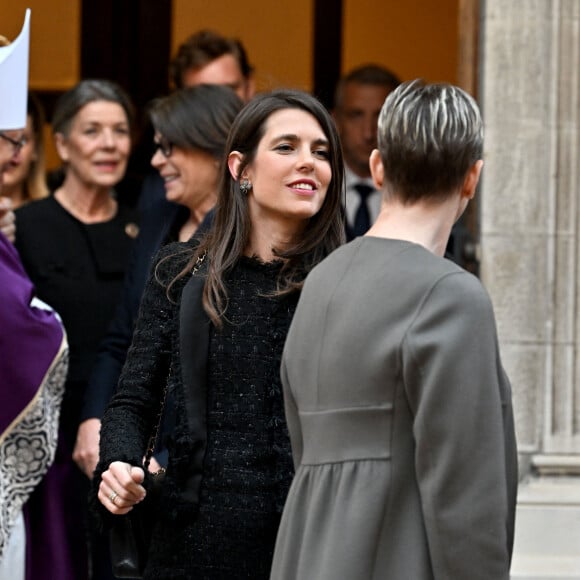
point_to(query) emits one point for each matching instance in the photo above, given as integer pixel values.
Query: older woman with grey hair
(399, 411)
(74, 246)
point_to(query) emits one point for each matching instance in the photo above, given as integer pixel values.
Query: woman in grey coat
(399, 411)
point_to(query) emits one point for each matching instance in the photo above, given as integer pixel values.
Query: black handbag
(128, 547)
(130, 535)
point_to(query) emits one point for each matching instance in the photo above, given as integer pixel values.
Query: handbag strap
(155, 434)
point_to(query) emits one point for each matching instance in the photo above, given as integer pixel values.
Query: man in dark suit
(358, 100)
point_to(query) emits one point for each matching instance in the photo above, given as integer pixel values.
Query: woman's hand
(120, 488)
(86, 451)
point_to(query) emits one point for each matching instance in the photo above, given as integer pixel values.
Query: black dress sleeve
(132, 412)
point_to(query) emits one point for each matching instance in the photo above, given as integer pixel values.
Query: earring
(245, 186)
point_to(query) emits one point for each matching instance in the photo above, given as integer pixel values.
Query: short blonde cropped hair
(429, 135)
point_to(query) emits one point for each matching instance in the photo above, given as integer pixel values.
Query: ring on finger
(113, 497)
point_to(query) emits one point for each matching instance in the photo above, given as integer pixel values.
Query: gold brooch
(132, 230)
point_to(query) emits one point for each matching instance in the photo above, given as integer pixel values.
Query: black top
(247, 467)
(78, 269)
(159, 224)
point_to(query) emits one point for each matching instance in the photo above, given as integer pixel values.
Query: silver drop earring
(245, 186)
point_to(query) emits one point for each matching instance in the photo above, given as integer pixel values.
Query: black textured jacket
(172, 339)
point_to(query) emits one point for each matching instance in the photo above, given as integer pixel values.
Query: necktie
(362, 217)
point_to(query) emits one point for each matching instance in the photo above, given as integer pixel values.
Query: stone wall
(529, 210)
(530, 261)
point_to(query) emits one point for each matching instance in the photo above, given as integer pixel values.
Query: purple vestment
(33, 365)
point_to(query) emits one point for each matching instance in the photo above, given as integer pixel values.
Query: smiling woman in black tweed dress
(218, 335)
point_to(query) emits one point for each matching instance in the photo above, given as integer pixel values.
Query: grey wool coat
(401, 423)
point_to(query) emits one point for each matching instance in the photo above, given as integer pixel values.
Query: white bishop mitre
(14, 79)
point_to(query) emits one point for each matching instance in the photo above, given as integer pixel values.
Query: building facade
(530, 260)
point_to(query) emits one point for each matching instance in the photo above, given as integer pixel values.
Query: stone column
(530, 260)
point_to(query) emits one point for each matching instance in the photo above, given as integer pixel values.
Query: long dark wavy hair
(225, 243)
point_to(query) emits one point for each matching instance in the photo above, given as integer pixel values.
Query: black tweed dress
(248, 465)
